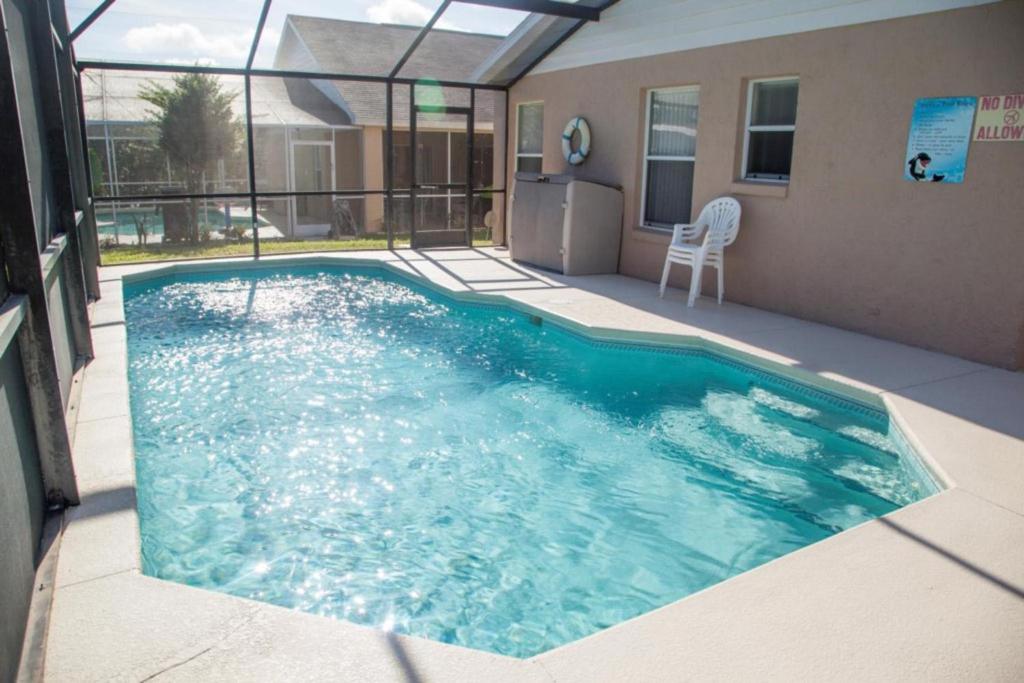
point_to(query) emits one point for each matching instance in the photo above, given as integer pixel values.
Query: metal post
(250, 148)
(60, 176)
(74, 122)
(412, 166)
(90, 240)
(508, 155)
(252, 168)
(88, 235)
(88, 21)
(21, 255)
(470, 126)
(389, 163)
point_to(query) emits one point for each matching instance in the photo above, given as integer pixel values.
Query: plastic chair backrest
(722, 219)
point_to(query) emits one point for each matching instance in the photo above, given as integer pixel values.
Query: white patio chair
(721, 217)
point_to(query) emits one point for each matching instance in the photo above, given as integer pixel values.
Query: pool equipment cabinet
(566, 225)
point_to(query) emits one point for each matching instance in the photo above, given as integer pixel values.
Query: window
(669, 149)
(530, 137)
(771, 122)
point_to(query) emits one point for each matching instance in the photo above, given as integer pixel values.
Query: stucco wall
(851, 243)
(373, 176)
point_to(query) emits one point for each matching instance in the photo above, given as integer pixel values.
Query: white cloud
(399, 12)
(407, 12)
(185, 42)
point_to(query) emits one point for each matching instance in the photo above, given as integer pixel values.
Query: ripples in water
(348, 445)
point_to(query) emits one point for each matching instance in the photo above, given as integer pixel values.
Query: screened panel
(402, 159)
(270, 152)
(461, 43)
(434, 213)
(309, 224)
(341, 36)
(182, 32)
(350, 159)
(669, 193)
(486, 212)
(440, 202)
(165, 133)
(483, 159)
(489, 207)
(78, 10)
(432, 99)
(433, 161)
(30, 105)
(311, 134)
(400, 208)
(489, 122)
(673, 123)
(774, 103)
(174, 228)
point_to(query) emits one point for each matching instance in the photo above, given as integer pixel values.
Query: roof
(360, 48)
(112, 96)
(356, 47)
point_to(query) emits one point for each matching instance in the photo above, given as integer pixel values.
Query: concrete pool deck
(932, 591)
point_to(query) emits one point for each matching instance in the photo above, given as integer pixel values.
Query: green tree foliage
(196, 129)
(98, 172)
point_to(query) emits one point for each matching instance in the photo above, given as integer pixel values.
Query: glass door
(312, 171)
(441, 189)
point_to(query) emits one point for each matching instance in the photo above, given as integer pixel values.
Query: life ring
(579, 155)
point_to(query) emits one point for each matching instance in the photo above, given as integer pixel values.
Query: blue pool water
(350, 445)
(123, 221)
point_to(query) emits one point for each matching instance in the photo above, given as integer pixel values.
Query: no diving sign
(1000, 119)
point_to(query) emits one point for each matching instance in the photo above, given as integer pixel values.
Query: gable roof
(366, 49)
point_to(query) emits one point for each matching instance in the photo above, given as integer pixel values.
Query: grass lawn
(130, 253)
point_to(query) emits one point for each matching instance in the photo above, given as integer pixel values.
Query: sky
(220, 32)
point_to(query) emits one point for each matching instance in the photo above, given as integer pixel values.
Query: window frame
(648, 101)
(748, 129)
(519, 118)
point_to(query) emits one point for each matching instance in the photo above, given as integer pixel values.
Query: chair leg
(698, 269)
(721, 281)
(664, 277)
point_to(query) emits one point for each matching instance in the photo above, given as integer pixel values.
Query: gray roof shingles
(359, 48)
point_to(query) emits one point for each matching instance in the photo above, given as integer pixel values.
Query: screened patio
(345, 125)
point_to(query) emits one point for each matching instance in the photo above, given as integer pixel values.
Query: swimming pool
(347, 443)
(122, 222)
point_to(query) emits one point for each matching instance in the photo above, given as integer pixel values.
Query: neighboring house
(317, 134)
(358, 48)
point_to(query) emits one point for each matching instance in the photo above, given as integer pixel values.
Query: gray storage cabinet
(567, 225)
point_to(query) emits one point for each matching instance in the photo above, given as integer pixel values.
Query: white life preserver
(576, 156)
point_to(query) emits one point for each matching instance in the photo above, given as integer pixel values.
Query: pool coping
(100, 550)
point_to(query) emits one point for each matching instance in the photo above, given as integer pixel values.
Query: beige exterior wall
(849, 242)
(373, 176)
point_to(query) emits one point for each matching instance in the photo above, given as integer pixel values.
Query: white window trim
(526, 155)
(748, 129)
(648, 99)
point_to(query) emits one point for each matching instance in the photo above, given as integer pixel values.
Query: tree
(197, 128)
